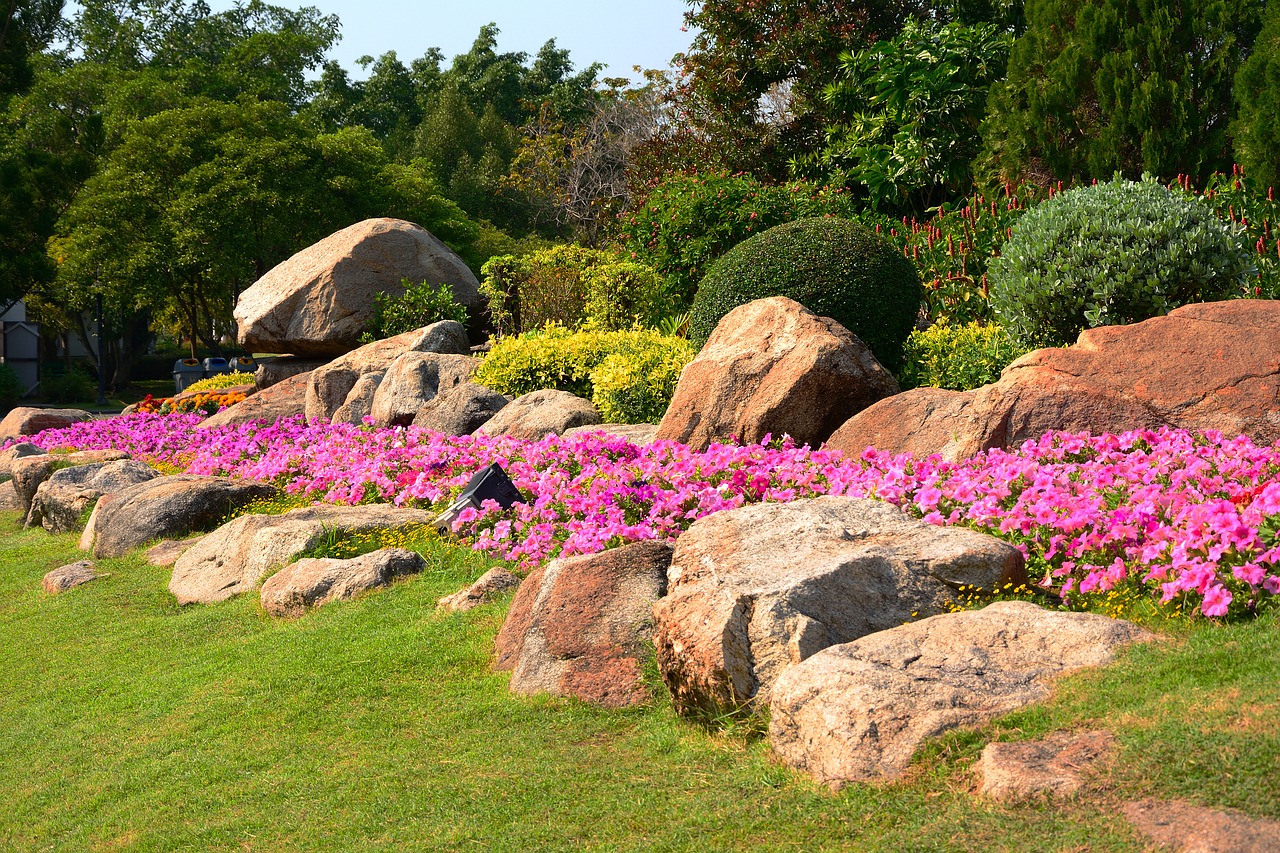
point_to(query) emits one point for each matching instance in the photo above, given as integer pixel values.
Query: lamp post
(102, 365)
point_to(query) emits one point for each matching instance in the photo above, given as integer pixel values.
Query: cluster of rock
(833, 613)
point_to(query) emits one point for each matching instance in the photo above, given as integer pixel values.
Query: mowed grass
(127, 722)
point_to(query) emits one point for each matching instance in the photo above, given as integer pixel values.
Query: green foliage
(911, 108)
(570, 285)
(1255, 132)
(637, 369)
(833, 267)
(1101, 86)
(73, 385)
(635, 386)
(958, 358)
(1114, 253)
(420, 305)
(10, 388)
(688, 221)
(221, 380)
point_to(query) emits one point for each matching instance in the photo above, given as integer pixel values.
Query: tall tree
(1255, 132)
(1096, 87)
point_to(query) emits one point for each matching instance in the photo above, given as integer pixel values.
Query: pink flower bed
(1193, 517)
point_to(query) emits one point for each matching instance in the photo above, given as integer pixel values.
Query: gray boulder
(320, 301)
(13, 453)
(330, 385)
(272, 371)
(538, 414)
(312, 582)
(461, 409)
(29, 472)
(487, 587)
(858, 711)
(60, 502)
(165, 507)
(413, 380)
(755, 590)
(234, 558)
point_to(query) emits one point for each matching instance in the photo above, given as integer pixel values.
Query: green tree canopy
(1096, 87)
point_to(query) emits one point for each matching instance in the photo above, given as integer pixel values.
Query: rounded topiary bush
(833, 267)
(1109, 254)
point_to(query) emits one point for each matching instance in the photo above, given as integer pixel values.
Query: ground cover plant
(379, 725)
(1191, 519)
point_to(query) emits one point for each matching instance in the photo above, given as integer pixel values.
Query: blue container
(243, 364)
(214, 366)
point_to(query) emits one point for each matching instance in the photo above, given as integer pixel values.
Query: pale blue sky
(622, 34)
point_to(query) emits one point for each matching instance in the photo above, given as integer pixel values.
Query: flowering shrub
(220, 380)
(206, 402)
(1196, 519)
(959, 358)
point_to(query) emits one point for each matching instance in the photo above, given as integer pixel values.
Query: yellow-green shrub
(636, 369)
(959, 358)
(221, 380)
(573, 286)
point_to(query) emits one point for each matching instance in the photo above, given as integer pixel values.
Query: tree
(1096, 87)
(197, 203)
(1255, 132)
(913, 106)
(28, 26)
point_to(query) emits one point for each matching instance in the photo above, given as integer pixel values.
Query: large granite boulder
(163, 508)
(753, 591)
(61, 502)
(314, 582)
(538, 414)
(284, 399)
(581, 626)
(772, 366)
(320, 301)
(28, 420)
(413, 380)
(232, 559)
(332, 384)
(28, 472)
(461, 409)
(859, 710)
(1210, 366)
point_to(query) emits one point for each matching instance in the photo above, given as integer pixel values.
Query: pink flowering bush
(1192, 517)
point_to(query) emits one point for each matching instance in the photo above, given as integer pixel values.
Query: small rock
(859, 711)
(314, 582)
(538, 414)
(167, 551)
(1189, 828)
(1022, 770)
(65, 577)
(489, 586)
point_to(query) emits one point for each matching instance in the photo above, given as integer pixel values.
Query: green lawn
(129, 723)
